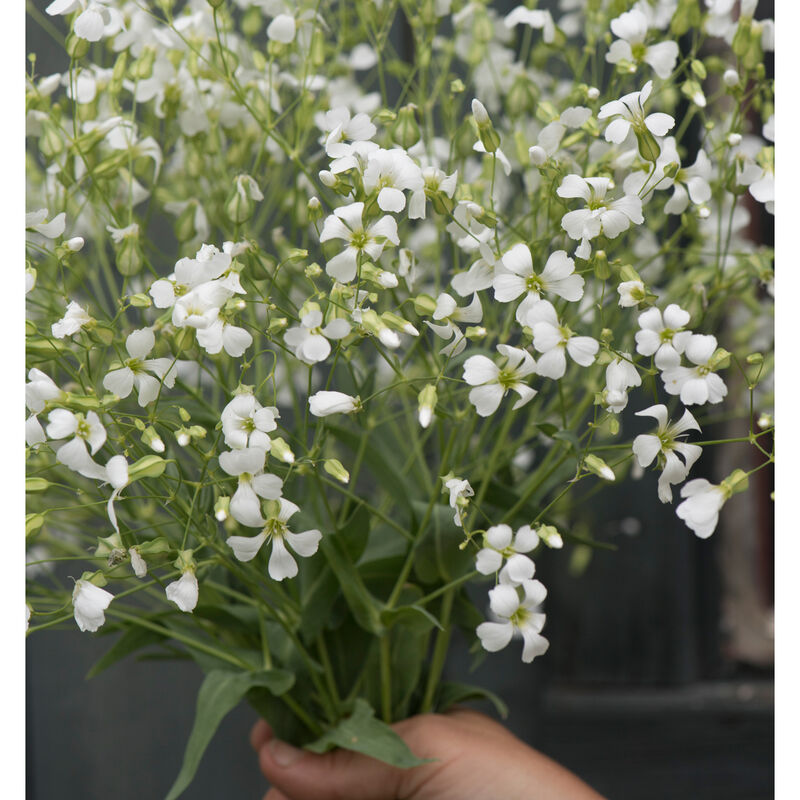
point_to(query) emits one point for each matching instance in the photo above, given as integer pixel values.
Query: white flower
(134, 372)
(609, 217)
(281, 562)
(117, 476)
(75, 318)
(39, 390)
(73, 454)
(459, 490)
(631, 293)
(282, 29)
(516, 615)
(310, 340)
(338, 125)
(138, 564)
(324, 403)
(221, 335)
(208, 265)
(691, 183)
(35, 220)
(665, 445)
(621, 375)
(629, 112)
(631, 28)
(663, 337)
(392, 172)
(449, 313)
(558, 277)
(248, 464)
(492, 382)
(435, 182)
(499, 546)
(533, 18)
(346, 223)
(184, 592)
(467, 232)
(554, 340)
(245, 423)
(200, 307)
(89, 603)
(698, 384)
(700, 510)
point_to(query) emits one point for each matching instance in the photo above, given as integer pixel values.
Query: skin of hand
(476, 759)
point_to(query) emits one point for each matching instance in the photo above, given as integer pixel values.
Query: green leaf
(365, 607)
(439, 556)
(220, 693)
(362, 732)
(451, 693)
(318, 600)
(133, 639)
(415, 617)
(355, 532)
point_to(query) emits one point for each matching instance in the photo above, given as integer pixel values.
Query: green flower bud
(76, 47)
(424, 305)
(405, 130)
(649, 148)
(335, 468)
(735, 483)
(32, 524)
(600, 263)
(599, 467)
(281, 450)
(276, 325)
(427, 400)
(146, 467)
(140, 300)
(222, 508)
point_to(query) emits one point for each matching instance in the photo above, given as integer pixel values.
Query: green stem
(439, 652)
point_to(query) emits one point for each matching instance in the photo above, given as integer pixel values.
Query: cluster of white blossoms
(385, 276)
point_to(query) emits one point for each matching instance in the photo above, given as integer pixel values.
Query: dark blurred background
(658, 682)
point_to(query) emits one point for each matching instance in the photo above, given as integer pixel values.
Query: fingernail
(284, 754)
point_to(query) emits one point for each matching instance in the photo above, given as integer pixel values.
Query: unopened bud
(335, 468)
(599, 467)
(151, 438)
(221, 508)
(730, 78)
(537, 154)
(427, 403)
(550, 536)
(281, 450)
(75, 243)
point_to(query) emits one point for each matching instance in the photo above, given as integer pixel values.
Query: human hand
(476, 759)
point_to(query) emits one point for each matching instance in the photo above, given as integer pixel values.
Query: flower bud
(550, 536)
(489, 137)
(138, 564)
(592, 93)
(405, 130)
(735, 483)
(335, 468)
(327, 178)
(599, 467)
(222, 508)
(151, 438)
(730, 78)
(398, 323)
(314, 209)
(600, 262)
(146, 467)
(241, 202)
(427, 399)
(537, 154)
(281, 450)
(323, 404)
(734, 139)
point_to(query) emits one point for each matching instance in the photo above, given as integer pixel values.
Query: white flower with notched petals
(39, 390)
(447, 313)
(663, 336)
(75, 318)
(698, 384)
(533, 18)
(117, 476)
(346, 223)
(491, 382)
(628, 112)
(134, 372)
(517, 277)
(390, 173)
(82, 430)
(621, 375)
(631, 28)
(323, 403)
(200, 307)
(281, 562)
(499, 545)
(89, 603)
(208, 264)
(467, 232)
(309, 340)
(435, 182)
(337, 125)
(554, 340)
(245, 423)
(184, 592)
(609, 217)
(665, 445)
(247, 465)
(36, 221)
(221, 335)
(516, 615)
(691, 183)
(460, 491)
(700, 510)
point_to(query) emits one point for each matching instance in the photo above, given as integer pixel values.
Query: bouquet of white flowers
(320, 332)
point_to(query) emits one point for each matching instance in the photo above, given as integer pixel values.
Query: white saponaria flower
(549, 138)
(628, 112)
(390, 173)
(516, 616)
(650, 177)
(245, 423)
(554, 340)
(184, 592)
(337, 125)
(81, 430)
(74, 319)
(89, 603)
(631, 293)
(309, 340)
(609, 217)
(281, 562)
(698, 384)
(700, 510)
(621, 375)
(447, 313)
(479, 147)
(247, 465)
(501, 545)
(346, 223)
(665, 445)
(663, 336)
(631, 28)
(221, 335)
(517, 277)
(95, 19)
(491, 381)
(478, 277)
(136, 368)
(459, 490)
(36, 221)
(534, 18)
(324, 403)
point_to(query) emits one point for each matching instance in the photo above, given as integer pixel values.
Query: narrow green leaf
(220, 693)
(362, 732)
(451, 693)
(415, 617)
